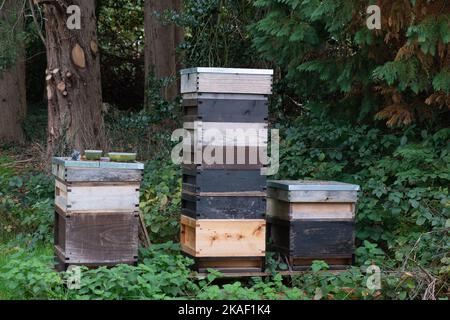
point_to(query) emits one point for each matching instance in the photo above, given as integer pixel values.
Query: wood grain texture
(242, 111)
(226, 83)
(309, 210)
(313, 196)
(223, 207)
(227, 157)
(312, 239)
(229, 134)
(199, 180)
(228, 265)
(98, 237)
(97, 197)
(223, 238)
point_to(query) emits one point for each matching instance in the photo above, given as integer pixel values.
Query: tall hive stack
(96, 212)
(223, 202)
(312, 220)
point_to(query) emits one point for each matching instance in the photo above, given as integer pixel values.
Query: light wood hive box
(223, 204)
(226, 80)
(312, 220)
(96, 212)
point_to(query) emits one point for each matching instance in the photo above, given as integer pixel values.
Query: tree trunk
(75, 119)
(12, 80)
(161, 41)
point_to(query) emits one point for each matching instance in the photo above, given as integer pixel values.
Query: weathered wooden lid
(310, 185)
(69, 163)
(228, 71)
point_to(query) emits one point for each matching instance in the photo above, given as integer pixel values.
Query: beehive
(312, 220)
(223, 201)
(96, 212)
(226, 80)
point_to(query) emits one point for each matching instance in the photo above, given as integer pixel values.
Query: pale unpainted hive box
(223, 237)
(226, 80)
(93, 186)
(311, 200)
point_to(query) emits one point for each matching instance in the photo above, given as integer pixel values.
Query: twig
(19, 15)
(38, 27)
(3, 4)
(15, 162)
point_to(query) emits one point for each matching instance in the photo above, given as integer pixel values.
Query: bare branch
(38, 27)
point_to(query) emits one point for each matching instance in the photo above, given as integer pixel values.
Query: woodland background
(369, 107)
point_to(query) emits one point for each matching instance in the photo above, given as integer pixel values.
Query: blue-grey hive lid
(69, 163)
(310, 185)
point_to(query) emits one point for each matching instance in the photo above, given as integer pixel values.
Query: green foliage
(159, 109)
(339, 67)
(148, 131)
(121, 39)
(404, 204)
(162, 274)
(215, 33)
(161, 199)
(29, 276)
(35, 124)
(26, 204)
(259, 289)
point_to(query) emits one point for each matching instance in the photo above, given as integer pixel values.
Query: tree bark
(75, 119)
(12, 80)
(161, 41)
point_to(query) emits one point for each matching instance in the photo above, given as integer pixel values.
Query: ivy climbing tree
(332, 61)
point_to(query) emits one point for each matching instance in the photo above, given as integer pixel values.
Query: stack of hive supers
(223, 201)
(312, 220)
(96, 212)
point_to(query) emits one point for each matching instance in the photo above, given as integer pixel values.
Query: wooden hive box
(93, 186)
(67, 170)
(225, 110)
(223, 194)
(213, 181)
(305, 241)
(226, 145)
(97, 197)
(312, 220)
(97, 212)
(224, 244)
(226, 80)
(94, 239)
(224, 206)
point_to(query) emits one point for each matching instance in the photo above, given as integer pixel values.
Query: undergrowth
(402, 224)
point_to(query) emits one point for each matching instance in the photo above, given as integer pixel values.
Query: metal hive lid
(69, 163)
(228, 71)
(310, 185)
